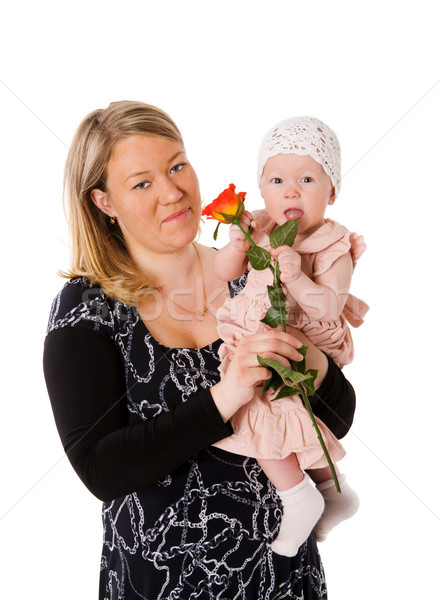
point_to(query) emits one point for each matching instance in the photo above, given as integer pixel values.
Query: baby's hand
(237, 238)
(290, 263)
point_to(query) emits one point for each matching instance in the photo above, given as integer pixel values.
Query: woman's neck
(170, 269)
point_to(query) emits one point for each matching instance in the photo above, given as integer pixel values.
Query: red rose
(227, 206)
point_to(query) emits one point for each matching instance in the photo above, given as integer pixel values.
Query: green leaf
(309, 383)
(276, 365)
(289, 376)
(274, 382)
(278, 313)
(295, 377)
(260, 258)
(277, 297)
(216, 230)
(285, 235)
(303, 349)
(274, 317)
(267, 384)
(299, 365)
(276, 274)
(228, 218)
(240, 210)
(285, 392)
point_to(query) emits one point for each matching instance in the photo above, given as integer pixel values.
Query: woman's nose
(169, 192)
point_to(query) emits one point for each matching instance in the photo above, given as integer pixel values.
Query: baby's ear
(332, 197)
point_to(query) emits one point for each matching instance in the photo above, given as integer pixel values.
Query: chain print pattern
(203, 532)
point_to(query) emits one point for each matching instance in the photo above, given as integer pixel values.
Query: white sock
(338, 507)
(302, 506)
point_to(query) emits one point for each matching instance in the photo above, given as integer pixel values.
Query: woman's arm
(86, 384)
(334, 401)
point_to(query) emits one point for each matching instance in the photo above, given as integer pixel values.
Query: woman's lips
(293, 213)
(177, 216)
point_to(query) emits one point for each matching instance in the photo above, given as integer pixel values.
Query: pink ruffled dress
(266, 429)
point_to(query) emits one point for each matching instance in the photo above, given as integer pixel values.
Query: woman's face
(153, 192)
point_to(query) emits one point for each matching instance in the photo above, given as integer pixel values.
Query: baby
(299, 175)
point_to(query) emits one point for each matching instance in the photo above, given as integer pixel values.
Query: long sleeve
(334, 401)
(86, 385)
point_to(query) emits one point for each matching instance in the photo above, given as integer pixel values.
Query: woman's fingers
(253, 375)
(277, 357)
(244, 373)
(274, 343)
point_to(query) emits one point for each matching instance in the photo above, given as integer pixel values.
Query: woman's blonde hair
(99, 251)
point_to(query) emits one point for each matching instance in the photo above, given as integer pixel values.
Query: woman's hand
(237, 238)
(244, 373)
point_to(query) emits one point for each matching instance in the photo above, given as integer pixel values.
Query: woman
(131, 368)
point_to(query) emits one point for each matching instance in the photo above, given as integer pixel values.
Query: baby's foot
(302, 506)
(338, 507)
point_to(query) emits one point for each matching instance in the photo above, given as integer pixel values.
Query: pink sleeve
(350, 242)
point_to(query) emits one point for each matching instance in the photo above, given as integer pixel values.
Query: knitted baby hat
(306, 136)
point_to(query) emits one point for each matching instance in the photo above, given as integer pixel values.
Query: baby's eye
(306, 179)
(276, 180)
(177, 168)
(142, 186)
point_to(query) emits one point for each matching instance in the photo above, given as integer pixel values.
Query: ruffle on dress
(265, 429)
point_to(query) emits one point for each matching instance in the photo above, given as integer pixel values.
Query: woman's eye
(306, 179)
(276, 180)
(142, 186)
(177, 168)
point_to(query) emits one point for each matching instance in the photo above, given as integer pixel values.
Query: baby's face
(295, 187)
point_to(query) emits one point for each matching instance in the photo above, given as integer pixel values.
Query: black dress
(182, 519)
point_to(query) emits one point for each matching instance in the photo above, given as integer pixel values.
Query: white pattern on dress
(203, 532)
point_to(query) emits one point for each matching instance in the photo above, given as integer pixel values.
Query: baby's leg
(321, 475)
(283, 473)
(338, 507)
(302, 504)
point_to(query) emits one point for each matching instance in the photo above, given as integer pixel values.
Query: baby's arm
(231, 261)
(324, 298)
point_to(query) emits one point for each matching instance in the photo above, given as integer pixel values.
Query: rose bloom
(228, 206)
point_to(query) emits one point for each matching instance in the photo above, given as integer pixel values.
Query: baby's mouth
(293, 213)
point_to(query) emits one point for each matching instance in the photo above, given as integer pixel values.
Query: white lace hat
(306, 136)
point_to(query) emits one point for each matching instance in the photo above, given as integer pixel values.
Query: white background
(226, 72)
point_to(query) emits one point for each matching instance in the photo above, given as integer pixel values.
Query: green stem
(249, 238)
(246, 234)
(305, 399)
(303, 393)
